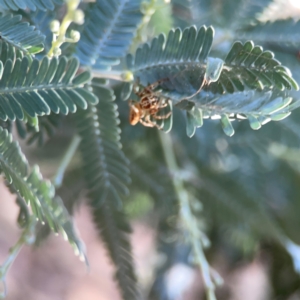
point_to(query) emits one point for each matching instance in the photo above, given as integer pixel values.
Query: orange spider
(149, 105)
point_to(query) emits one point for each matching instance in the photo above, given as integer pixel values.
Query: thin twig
(188, 217)
(27, 237)
(59, 176)
(124, 76)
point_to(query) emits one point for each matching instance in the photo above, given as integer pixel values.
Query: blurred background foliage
(248, 184)
(243, 190)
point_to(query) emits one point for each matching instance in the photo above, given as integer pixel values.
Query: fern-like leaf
(41, 20)
(70, 193)
(248, 65)
(257, 217)
(171, 58)
(247, 82)
(38, 193)
(29, 4)
(244, 12)
(104, 44)
(182, 62)
(20, 34)
(106, 172)
(47, 126)
(7, 51)
(258, 107)
(223, 14)
(40, 87)
(278, 33)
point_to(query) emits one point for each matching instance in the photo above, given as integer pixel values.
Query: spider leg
(136, 86)
(147, 122)
(132, 103)
(154, 123)
(163, 102)
(152, 86)
(204, 82)
(162, 117)
(162, 105)
(148, 90)
(161, 126)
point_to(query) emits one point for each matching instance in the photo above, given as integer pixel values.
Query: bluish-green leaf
(43, 86)
(20, 34)
(103, 45)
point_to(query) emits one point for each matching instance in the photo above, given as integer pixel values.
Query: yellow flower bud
(78, 17)
(54, 26)
(75, 35)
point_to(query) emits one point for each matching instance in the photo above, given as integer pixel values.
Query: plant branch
(59, 30)
(195, 236)
(59, 176)
(27, 237)
(115, 75)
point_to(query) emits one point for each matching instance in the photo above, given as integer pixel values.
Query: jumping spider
(148, 107)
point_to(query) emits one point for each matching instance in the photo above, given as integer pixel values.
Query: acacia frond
(180, 59)
(184, 11)
(40, 87)
(8, 51)
(247, 82)
(277, 33)
(38, 193)
(104, 44)
(107, 176)
(244, 12)
(226, 206)
(70, 193)
(233, 14)
(258, 107)
(225, 13)
(29, 4)
(20, 34)
(42, 20)
(182, 62)
(249, 66)
(47, 126)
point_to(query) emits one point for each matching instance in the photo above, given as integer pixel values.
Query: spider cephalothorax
(148, 107)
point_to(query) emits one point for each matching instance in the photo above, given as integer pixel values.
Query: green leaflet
(30, 4)
(106, 174)
(112, 36)
(275, 33)
(36, 88)
(226, 125)
(255, 68)
(227, 14)
(245, 83)
(38, 193)
(8, 51)
(20, 34)
(194, 120)
(47, 127)
(181, 59)
(213, 70)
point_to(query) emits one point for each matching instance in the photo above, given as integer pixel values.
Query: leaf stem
(27, 237)
(115, 75)
(59, 36)
(59, 176)
(187, 217)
